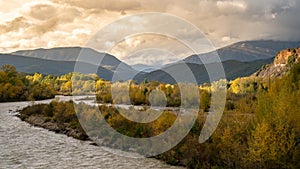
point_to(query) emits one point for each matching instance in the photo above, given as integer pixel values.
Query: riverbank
(48, 123)
(49, 116)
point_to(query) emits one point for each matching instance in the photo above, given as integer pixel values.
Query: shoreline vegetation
(268, 138)
(44, 120)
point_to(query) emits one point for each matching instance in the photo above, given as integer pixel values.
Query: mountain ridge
(87, 55)
(246, 51)
(30, 65)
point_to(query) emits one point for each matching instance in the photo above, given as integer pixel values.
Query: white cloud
(231, 6)
(81, 31)
(226, 39)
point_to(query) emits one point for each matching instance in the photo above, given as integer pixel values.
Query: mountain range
(239, 59)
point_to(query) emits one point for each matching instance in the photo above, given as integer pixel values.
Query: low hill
(31, 65)
(87, 55)
(232, 68)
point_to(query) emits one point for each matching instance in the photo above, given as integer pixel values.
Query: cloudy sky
(29, 24)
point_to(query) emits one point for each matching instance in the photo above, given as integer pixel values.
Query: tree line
(15, 86)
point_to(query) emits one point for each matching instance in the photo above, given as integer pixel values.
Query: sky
(30, 24)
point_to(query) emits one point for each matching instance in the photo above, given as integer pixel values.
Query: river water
(25, 146)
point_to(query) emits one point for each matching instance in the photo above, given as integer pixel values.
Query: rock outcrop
(282, 64)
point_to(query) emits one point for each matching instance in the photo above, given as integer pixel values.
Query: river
(25, 146)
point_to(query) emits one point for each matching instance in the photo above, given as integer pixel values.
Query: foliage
(259, 129)
(245, 85)
(15, 86)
